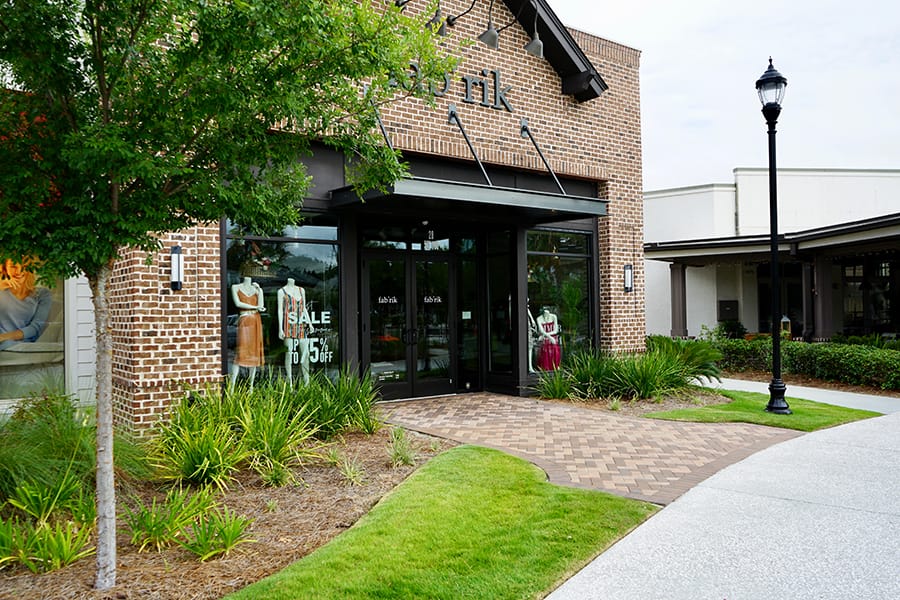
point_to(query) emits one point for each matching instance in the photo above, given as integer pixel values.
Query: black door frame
(412, 386)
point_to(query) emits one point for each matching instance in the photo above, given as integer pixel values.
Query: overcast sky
(701, 58)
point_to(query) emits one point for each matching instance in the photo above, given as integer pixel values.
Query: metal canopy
(468, 201)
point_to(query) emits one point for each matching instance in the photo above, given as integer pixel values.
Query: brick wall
(164, 339)
(598, 140)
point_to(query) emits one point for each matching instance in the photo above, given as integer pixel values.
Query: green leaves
(156, 115)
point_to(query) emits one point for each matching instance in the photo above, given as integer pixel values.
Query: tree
(131, 118)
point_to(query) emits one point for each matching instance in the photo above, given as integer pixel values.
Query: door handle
(414, 336)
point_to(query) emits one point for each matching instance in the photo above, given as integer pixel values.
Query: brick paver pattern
(639, 458)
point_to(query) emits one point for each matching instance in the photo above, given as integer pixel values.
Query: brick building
(524, 195)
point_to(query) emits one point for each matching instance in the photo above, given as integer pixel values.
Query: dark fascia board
(579, 77)
(477, 194)
(711, 245)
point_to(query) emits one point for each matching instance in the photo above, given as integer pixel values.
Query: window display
(31, 333)
(558, 290)
(282, 305)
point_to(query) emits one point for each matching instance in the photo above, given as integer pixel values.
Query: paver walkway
(644, 459)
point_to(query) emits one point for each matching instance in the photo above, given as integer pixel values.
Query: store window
(281, 311)
(32, 356)
(558, 296)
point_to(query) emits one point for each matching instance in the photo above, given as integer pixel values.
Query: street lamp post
(770, 88)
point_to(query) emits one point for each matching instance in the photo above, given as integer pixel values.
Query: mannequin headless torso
(549, 356)
(248, 298)
(294, 328)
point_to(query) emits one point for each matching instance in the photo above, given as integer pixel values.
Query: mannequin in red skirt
(549, 354)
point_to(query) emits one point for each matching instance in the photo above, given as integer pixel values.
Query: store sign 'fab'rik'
(486, 90)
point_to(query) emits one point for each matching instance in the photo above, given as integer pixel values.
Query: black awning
(469, 201)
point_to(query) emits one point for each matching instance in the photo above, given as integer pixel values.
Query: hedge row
(859, 365)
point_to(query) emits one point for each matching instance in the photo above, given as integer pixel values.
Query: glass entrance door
(407, 333)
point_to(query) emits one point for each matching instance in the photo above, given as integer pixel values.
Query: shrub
(162, 524)
(216, 532)
(848, 363)
(745, 355)
(555, 384)
(197, 446)
(274, 433)
(697, 357)
(400, 449)
(646, 375)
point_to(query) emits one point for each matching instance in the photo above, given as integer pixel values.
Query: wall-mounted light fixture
(437, 22)
(629, 278)
(490, 37)
(452, 19)
(535, 47)
(177, 274)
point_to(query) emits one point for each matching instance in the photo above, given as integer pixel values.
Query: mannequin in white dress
(294, 327)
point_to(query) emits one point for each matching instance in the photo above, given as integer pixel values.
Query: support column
(678, 283)
(808, 283)
(822, 299)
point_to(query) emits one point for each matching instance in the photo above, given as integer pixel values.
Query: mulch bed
(289, 523)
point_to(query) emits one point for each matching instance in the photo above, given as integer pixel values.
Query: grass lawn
(749, 407)
(472, 523)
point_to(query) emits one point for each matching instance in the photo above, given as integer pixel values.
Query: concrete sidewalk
(816, 516)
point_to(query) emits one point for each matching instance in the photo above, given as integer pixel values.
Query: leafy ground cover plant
(668, 366)
(216, 532)
(161, 524)
(400, 449)
(47, 508)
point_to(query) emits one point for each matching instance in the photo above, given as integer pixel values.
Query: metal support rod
(526, 132)
(454, 118)
(384, 132)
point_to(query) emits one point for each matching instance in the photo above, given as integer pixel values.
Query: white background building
(706, 250)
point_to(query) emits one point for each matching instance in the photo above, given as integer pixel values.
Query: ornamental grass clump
(275, 434)
(667, 367)
(197, 445)
(47, 510)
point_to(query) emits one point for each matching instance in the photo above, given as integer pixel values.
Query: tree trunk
(106, 489)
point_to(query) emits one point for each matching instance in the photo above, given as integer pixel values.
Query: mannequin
(532, 334)
(248, 297)
(294, 327)
(24, 307)
(550, 353)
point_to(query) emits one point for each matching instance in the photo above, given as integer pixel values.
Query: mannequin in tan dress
(248, 297)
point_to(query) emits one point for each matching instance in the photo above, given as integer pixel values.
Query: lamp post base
(777, 403)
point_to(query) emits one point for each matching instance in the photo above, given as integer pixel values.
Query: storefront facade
(524, 195)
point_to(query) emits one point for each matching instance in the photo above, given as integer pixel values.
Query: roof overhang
(579, 77)
(468, 201)
(876, 230)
